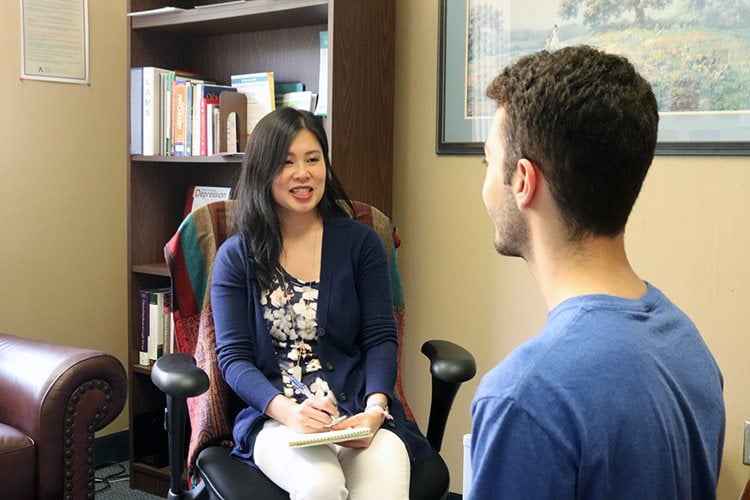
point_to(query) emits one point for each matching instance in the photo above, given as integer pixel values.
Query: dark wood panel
(163, 50)
(362, 48)
(292, 54)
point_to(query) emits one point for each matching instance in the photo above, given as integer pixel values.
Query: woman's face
(299, 186)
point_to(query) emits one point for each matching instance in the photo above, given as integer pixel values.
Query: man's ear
(525, 183)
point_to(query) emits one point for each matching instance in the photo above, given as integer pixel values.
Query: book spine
(321, 108)
(206, 122)
(203, 145)
(151, 114)
(136, 111)
(189, 118)
(153, 315)
(167, 311)
(179, 121)
(160, 294)
(143, 347)
(196, 119)
(215, 146)
(169, 78)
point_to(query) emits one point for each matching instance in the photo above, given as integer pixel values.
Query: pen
(308, 394)
(302, 387)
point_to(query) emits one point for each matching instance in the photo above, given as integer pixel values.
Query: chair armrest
(179, 378)
(449, 362)
(59, 396)
(177, 375)
(450, 365)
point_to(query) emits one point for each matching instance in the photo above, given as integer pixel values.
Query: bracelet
(381, 408)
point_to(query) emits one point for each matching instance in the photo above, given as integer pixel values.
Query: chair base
(230, 479)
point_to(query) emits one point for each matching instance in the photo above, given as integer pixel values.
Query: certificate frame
(55, 41)
(461, 131)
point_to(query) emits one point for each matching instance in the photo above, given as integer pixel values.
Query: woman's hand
(312, 415)
(373, 420)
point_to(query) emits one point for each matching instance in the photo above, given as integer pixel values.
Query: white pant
(330, 471)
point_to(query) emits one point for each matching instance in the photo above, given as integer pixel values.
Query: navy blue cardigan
(357, 348)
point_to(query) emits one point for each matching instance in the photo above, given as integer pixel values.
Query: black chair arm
(177, 375)
(449, 362)
(450, 365)
(179, 378)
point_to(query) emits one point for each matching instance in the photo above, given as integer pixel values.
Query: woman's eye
(313, 160)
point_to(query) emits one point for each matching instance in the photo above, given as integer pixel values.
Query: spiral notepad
(315, 439)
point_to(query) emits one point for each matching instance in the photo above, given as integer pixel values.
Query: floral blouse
(290, 311)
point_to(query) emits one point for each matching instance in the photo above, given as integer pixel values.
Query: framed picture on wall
(695, 54)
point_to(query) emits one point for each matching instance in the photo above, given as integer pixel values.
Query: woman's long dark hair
(255, 215)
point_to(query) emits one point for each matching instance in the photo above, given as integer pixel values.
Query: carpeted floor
(113, 483)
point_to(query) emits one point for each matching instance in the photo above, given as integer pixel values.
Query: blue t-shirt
(615, 398)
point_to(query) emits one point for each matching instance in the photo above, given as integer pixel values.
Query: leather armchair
(52, 400)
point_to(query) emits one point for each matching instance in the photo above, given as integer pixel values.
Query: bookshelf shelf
(217, 41)
(256, 15)
(157, 269)
(144, 370)
(192, 160)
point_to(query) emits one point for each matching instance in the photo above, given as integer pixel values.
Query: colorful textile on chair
(379, 221)
(190, 256)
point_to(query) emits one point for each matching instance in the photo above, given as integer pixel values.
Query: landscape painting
(695, 53)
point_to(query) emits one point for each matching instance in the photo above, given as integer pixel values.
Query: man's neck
(596, 265)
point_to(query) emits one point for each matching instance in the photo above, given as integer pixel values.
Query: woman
(301, 292)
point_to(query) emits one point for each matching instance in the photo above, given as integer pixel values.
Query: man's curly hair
(589, 121)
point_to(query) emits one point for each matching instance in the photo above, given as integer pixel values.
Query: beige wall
(63, 249)
(62, 194)
(688, 235)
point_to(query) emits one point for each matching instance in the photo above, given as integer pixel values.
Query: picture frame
(699, 68)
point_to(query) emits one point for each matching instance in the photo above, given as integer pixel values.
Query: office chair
(212, 405)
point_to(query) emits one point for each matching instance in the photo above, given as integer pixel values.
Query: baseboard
(111, 448)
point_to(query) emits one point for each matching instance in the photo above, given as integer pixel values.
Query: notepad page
(301, 440)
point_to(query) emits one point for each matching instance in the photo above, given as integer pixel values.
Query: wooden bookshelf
(218, 41)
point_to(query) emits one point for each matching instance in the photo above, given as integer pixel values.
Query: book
(318, 438)
(198, 196)
(167, 81)
(322, 106)
(261, 100)
(205, 94)
(152, 110)
(299, 100)
(212, 123)
(143, 347)
(168, 322)
(156, 323)
(179, 118)
(281, 88)
(136, 111)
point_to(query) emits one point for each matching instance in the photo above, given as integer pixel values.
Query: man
(618, 396)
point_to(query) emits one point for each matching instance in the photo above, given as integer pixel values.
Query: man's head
(588, 122)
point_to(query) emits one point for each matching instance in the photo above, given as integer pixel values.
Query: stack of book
(157, 325)
(176, 113)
